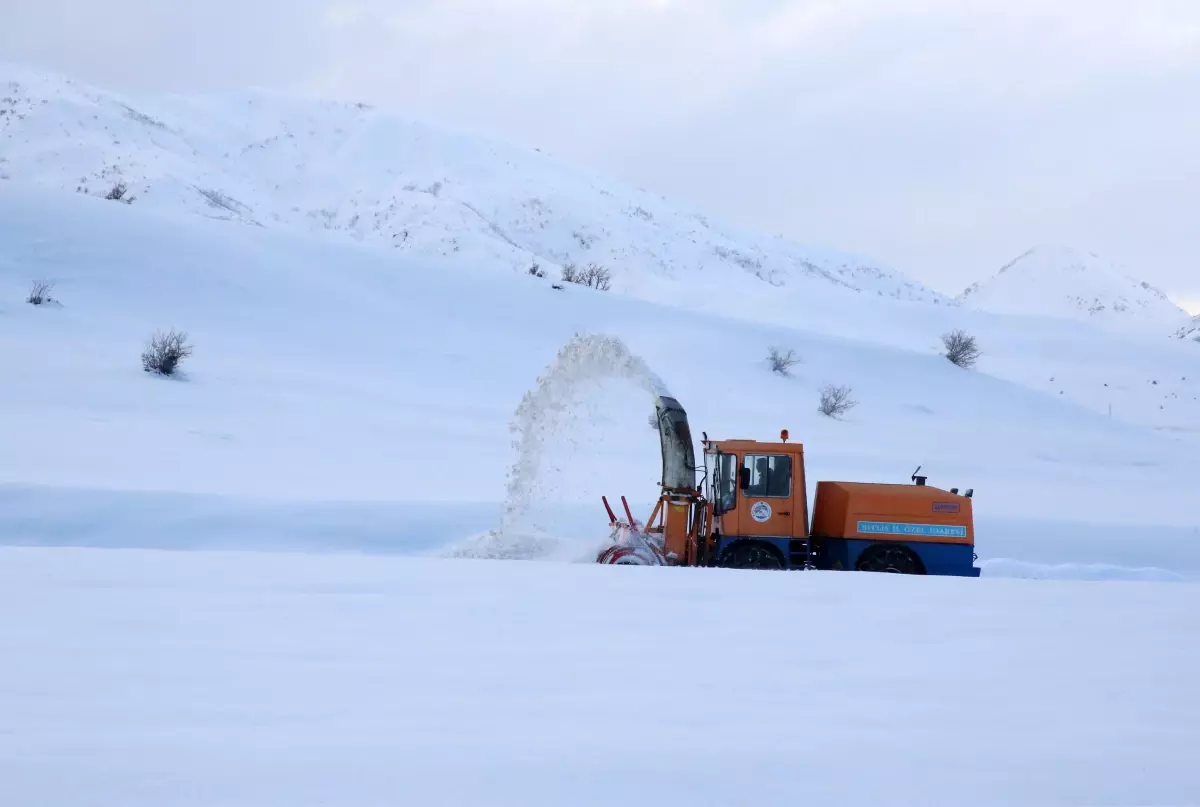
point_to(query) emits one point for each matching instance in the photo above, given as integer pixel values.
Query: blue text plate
(916, 530)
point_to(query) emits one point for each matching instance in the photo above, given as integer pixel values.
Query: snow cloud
(944, 136)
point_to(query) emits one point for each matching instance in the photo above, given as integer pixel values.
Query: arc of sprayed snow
(585, 358)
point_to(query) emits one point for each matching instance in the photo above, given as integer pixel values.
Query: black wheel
(751, 556)
(890, 559)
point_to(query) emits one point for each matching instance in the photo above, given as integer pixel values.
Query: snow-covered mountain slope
(418, 189)
(1191, 330)
(1061, 282)
(343, 396)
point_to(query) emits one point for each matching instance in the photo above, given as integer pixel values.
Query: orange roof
(755, 445)
(897, 489)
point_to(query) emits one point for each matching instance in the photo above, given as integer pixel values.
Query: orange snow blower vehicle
(750, 511)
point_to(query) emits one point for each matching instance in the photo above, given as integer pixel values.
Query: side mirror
(743, 478)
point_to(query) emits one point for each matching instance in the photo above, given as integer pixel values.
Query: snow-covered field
(346, 424)
(150, 678)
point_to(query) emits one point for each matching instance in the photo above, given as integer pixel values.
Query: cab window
(770, 475)
(726, 482)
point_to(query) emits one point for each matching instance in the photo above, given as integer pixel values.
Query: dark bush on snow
(835, 401)
(961, 348)
(164, 352)
(119, 193)
(594, 276)
(782, 361)
(39, 292)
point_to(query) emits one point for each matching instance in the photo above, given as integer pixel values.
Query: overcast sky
(941, 136)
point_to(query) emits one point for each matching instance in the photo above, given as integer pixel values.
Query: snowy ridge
(1191, 330)
(358, 172)
(1062, 282)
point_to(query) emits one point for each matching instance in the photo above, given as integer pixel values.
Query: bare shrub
(835, 401)
(39, 292)
(594, 276)
(119, 193)
(782, 361)
(537, 271)
(598, 277)
(164, 352)
(961, 348)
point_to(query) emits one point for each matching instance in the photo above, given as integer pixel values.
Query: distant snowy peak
(1062, 282)
(358, 172)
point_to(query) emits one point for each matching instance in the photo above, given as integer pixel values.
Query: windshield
(723, 473)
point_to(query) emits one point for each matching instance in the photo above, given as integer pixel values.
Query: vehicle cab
(760, 502)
